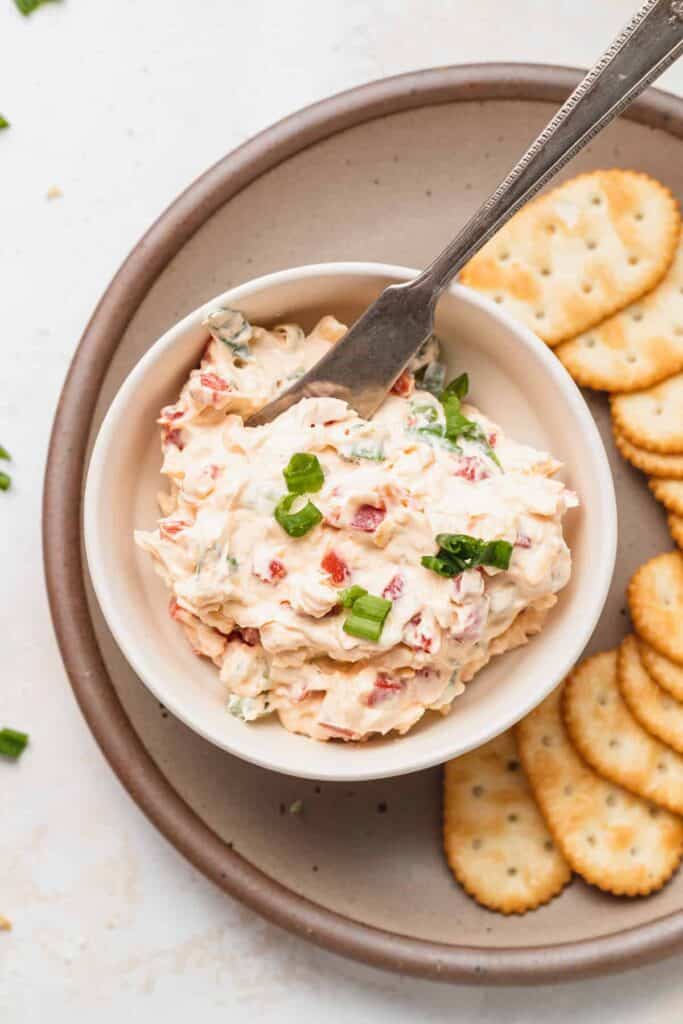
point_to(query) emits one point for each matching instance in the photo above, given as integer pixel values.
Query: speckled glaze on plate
(407, 150)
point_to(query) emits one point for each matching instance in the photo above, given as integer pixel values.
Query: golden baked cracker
(655, 598)
(495, 839)
(638, 347)
(653, 418)
(664, 672)
(580, 253)
(653, 707)
(669, 466)
(613, 839)
(676, 529)
(669, 493)
(610, 739)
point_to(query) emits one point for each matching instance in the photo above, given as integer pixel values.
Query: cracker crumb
(54, 192)
(5, 924)
(296, 807)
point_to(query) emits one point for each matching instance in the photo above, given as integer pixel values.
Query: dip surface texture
(276, 609)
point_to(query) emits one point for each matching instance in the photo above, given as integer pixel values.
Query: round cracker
(676, 529)
(655, 598)
(613, 839)
(653, 418)
(664, 672)
(611, 740)
(669, 493)
(669, 466)
(580, 252)
(495, 839)
(640, 346)
(653, 707)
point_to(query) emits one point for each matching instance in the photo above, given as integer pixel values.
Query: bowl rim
(588, 438)
(94, 691)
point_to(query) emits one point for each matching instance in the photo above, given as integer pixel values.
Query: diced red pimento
(368, 518)
(491, 439)
(169, 412)
(404, 385)
(471, 468)
(386, 686)
(394, 588)
(214, 382)
(173, 608)
(523, 541)
(170, 528)
(472, 627)
(246, 634)
(174, 436)
(215, 471)
(277, 569)
(419, 641)
(336, 567)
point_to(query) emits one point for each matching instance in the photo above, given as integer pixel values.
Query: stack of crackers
(591, 782)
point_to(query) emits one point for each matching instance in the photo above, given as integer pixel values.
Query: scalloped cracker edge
(655, 598)
(669, 493)
(665, 673)
(676, 529)
(495, 840)
(640, 346)
(579, 253)
(611, 740)
(653, 418)
(668, 466)
(596, 825)
(654, 708)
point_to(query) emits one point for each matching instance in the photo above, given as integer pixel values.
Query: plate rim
(64, 562)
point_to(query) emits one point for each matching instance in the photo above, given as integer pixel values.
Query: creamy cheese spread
(350, 617)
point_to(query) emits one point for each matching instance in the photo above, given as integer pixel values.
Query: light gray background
(121, 104)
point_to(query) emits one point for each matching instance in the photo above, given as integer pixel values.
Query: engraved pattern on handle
(363, 366)
(568, 106)
(650, 42)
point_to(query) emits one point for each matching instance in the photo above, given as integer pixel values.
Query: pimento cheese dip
(344, 574)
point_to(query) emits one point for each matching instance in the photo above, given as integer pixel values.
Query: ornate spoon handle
(651, 41)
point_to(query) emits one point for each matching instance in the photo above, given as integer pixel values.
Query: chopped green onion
(431, 378)
(427, 412)
(457, 388)
(4, 123)
(12, 743)
(372, 454)
(248, 709)
(367, 617)
(439, 565)
(351, 594)
(296, 524)
(4, 454)
(457, 424)
(28, 6)
(5, 482)
(458, 552)
(303, 474)
(232, 328)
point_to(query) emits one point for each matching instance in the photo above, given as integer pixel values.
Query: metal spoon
(379, 346)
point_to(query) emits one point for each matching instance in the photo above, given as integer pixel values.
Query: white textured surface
(121, 104)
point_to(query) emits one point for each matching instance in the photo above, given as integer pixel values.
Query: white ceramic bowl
(514, 378)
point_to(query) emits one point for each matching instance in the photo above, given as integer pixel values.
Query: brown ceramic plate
(385, 172)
